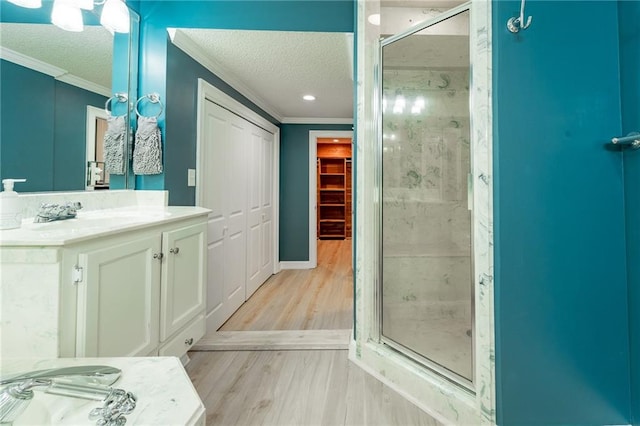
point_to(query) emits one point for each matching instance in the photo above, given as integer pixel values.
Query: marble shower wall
(426, 220)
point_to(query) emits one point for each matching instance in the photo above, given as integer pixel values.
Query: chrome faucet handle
(79, 381)
(116, 406)
(96, 374)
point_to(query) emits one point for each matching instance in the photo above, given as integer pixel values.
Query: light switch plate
(191, 177)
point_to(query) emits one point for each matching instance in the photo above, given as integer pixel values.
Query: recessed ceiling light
(336, 140)
(374, 19)
(309, 98)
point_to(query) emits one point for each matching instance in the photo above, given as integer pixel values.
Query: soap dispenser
(10, 205)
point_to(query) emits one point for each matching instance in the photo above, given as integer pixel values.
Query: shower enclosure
(426, 286)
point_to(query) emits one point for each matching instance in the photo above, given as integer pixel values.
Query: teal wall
(157, 66)
(157, 16)
(39, 136)
(629, 15)
(181, 132)
(562, 330)
(294, 188)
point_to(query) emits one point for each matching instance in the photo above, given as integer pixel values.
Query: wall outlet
(191, 177)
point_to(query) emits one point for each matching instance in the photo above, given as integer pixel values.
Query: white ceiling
(86, 55)
(276, 68)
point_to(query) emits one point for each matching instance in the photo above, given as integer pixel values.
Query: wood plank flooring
(295, 388)
(308, 299)
(244, 378)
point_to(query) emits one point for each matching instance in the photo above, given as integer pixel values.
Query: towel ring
(120, 97)
(154, 98)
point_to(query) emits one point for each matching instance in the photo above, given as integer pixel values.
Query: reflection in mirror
(55, 85)
(427, 300)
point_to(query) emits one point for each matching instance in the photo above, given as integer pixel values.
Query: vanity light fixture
(115, 16)
(31, 4)
(66, 15)
(309, 98)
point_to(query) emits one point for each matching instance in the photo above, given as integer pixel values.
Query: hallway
(309, 313)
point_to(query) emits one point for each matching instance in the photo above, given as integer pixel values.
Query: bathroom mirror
(55, 85)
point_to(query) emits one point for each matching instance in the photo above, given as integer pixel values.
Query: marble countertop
(165, 395)
(91, 224)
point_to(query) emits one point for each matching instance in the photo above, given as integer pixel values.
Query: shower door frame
(443, 399)
(420, 358)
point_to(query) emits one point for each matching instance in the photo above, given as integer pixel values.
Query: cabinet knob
(158, 256)
(189, 341)
(175, 250)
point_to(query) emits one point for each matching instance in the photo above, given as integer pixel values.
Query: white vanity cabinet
(137, 290)
(118, 290)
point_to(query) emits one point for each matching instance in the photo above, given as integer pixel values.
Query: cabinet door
(118, 299)
(183, 277)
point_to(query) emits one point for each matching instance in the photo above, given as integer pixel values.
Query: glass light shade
(83, 4)
(115, 16)
(66, 16)
(31, 4)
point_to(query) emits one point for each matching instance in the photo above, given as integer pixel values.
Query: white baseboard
(305, 264)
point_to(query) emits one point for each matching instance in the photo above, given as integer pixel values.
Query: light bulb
(115, 16)
(83, 4)
(66, 16)
(31, 4)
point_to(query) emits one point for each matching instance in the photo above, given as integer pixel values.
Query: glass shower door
(426, 286)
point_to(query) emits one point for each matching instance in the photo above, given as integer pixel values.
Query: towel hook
(516, 23)
(154, 98)
(120, 97)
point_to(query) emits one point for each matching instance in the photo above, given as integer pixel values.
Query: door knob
(175, 250)
(158, 256)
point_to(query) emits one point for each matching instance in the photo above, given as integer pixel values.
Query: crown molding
(316, 120)
(53, 71)
(187, 45)
(31, 63)
(85, 84)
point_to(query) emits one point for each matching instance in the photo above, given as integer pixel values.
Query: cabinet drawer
(185, 339)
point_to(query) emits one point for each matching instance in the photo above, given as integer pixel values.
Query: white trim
(296, 265)
(185, 44)
(206, 92)
(350, 38)
(313, 202)
(90, 140)
(85, 84)
(53, 71)
(317, 120)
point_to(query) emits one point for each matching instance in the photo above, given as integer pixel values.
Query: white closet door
(260, 208)
(224, 192)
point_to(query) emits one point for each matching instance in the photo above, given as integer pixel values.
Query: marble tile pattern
(447, 402)
(165, 395)
(426, 228)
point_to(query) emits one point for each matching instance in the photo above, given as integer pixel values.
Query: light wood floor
(258, 383)
(295, 388)
(306, 299)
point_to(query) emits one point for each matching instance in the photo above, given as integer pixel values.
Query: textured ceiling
(86, 54)
(280, 67)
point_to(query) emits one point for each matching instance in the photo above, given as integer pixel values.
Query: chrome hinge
(77, 274)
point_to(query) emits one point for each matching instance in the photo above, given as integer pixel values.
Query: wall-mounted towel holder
(153, 98)
(632, 140)
(120, 97)
(518, 23)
